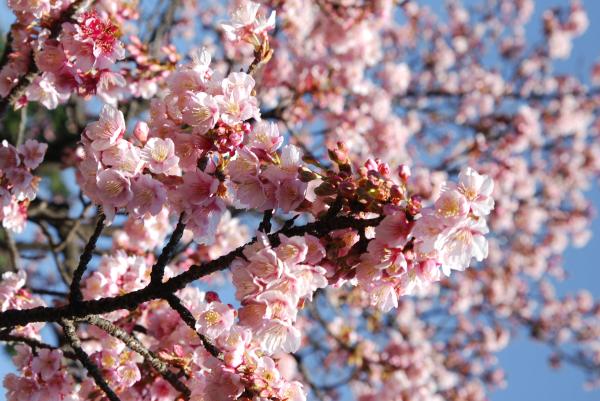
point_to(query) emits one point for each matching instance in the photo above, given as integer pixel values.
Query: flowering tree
(273, 197)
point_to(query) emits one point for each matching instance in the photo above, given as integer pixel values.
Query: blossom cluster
(44, 376)
(272, 283)
(18, 186)
(14, 295)
(202, 121)
(408, 253)
(77, 59)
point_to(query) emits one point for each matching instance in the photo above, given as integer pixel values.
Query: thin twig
(189, 319)
(71, 334)
(76, 296)
(31, 342)
(13, 251)
(134, 344)
(158, 270)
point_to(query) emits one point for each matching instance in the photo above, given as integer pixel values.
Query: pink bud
(141, 131)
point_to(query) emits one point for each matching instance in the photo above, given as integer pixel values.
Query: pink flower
(451, 206)
(204, 219)
(237, 106)
(458, 245)
(108, 130)
(46, 363)
(264, 138)
(277, 335)
(51, 58)
(215, 320)
(198, 187)
(159, 155)
(477, 189)
(9, 157)
(245, 23)
(149, 195)
(200, 111)
(44, 90)
(114, 190)
(32, 153)
(383, 296)
(394, 230)
(290, 194)
(107, 48)
(125, 157)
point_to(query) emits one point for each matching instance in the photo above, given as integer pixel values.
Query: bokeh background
(525, 362)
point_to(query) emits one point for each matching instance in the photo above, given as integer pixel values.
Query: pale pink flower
(111, 87)
(129, 374)
(234, 345)
(159, 155)
(244, 167)
(108, 130)
(125, 157)
(9, 157)
(265, 265)
(197, 187)
(246, 24)
(239, 82)
(277, 335)
(32, 153)
(46, 363)
(264, 138)
(477, 189)
(383, 296)
(149, 195)
(44, 90)
(237, 106)
(215, 320)
(204, 219)
(397, 77)
(200, 111)
(14, 216)
(452, 206)
(560, 44)
(140, 131)
(394, 230)
(458, 245)
(114, 189)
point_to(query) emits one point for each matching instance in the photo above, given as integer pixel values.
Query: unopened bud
(141, 131)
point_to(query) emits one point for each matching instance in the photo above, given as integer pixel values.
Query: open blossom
(113, 190)
(159, 155)
(149, 195)
(458, 245)
(32, 153)
(46, 363)
(201, 111)
(264, 138)
(103, 36)
(477, 189)
(108, 130)
(246, 23)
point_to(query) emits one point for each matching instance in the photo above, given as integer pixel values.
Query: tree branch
(134, 344)
(189, 319)
(158, 270)
(75, 296)
(71, 335)
(131, 300)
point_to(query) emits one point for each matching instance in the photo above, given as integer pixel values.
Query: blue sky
(525, 362)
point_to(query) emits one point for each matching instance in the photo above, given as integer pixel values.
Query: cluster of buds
(367, 190)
